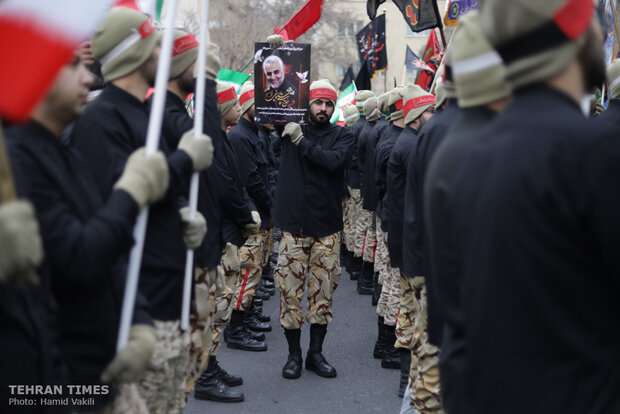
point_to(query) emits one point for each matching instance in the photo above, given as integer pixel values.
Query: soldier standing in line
(418, 108)
(114, 125)
(308, 209)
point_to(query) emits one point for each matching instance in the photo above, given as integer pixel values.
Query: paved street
(361, 386)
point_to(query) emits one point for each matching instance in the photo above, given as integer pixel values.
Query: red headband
(246, 96)
(145, 29)
(183, 44)
(418, 102)
(398, 104)
(226, 95)
(573, 18)
(323, 93)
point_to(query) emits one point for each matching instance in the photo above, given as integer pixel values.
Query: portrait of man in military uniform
(280, 92)
(282, 77)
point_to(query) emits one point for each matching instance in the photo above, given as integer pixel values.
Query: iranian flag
(236, 79)
(345, 97)
(37, 38)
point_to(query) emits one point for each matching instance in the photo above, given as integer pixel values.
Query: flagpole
(252, 58)
(152, 143)
(386, 69)
(441, 32)
(199, 99)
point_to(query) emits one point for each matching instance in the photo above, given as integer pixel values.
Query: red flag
(301, 21)
(432, 57)
(130, 4)
(37, 38)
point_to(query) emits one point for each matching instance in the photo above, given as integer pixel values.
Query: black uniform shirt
(382, 156)
(413, 230)
(112, 127)
(253, 166)
(396, 182)
(612, 113)
(371, 197)
(309, 190)
(353, 172)
(538, 236)
(86, 242)
(445, 311)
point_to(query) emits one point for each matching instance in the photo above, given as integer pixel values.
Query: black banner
(371, 46)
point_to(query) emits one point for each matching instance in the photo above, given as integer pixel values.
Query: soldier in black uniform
(536, 227)
(482, 93)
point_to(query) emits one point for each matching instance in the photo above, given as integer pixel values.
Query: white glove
(253, 228)
(293, 131)
(21, 247)
(275, 41)
(200, 149)
(130, 362)
(194, 230)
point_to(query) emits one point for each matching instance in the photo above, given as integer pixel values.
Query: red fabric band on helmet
(146, 29)
(323, 93)
(183, 44)
(398, 104)
(573, 19)
(246, 96)
(226, 95)
(418, 102)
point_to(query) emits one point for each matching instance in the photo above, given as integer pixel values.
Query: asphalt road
(361, 386)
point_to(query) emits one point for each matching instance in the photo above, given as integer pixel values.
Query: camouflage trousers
(163, 384)
(356, 233)
(251, 262)
(223, 293)
(316, 259)
(406, 313)
(424, 373)
(390, 290)
(200, 323)
(128, 401)
(346, 223)
(268, 250)
(382, 257)
(369, 242)
(389, 300)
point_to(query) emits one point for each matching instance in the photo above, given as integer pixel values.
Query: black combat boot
(263, 286)
(252, 323)
(405, 365)
(377, 353)
(377, 292)
(239, 338)
(228, 379)
(365, 284)
(355, 268)
(344, 256)
(267, 272)
(261, 294)
(209, 386)
(315, 361)
(292, 368)
(257, 310)
(391, 356)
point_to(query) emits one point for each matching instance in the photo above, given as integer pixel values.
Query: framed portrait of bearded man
(281, 83)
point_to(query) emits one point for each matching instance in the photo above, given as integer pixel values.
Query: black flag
(372, 6)
(349, 76)
(420, 14)
(362, 81)
(371, 46)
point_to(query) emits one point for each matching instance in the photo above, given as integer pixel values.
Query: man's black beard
(592, 61)
(313, 119)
